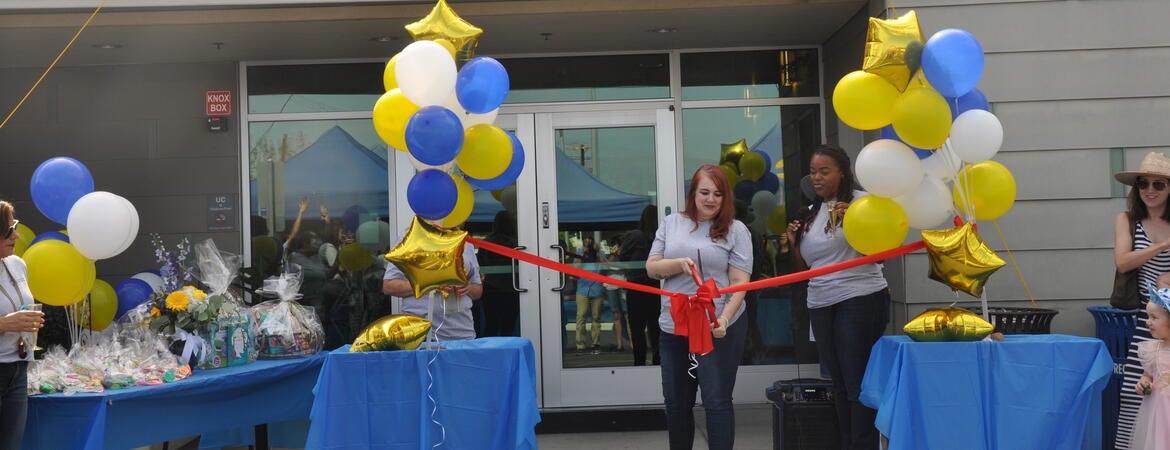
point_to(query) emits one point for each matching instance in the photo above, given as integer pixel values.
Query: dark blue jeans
(13, 403)
(716, 377)
(845, 333)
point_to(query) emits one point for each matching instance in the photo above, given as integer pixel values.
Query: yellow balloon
(922, 118)
(391, 112)
(389, 80)
(464, 203)
(393, 332)
(354, 257)
(865, 101)
(24, 237)
(498, 195)
(989, 187)
(58, 274)
(875, 224)
(487, 151)
(778, 219)
(100, 307)
(732, 172)
(751, 166)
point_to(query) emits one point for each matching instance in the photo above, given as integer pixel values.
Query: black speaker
(803, 417)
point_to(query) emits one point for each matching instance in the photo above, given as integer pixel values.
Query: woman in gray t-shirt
(848, 309)
(705, 231)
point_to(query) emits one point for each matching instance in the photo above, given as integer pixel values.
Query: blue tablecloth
(485, 390)
(1027, 392)
(208, 401)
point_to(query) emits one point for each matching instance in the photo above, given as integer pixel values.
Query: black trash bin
(1114, 327)
(803, 417)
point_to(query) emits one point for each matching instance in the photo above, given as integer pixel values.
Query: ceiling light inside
(384, 39)
(663, 30)
(107, 46)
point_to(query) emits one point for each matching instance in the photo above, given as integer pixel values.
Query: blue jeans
(845, 333)
(716, 377)
(13, 403)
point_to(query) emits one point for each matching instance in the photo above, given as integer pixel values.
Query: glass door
(596, 174)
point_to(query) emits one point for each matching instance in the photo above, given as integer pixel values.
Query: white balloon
(976, 135)
(466, 118)
(943, 164)
(888, 168)
(929, 205)
(153, 279)
(426, 73)
(762, 204)
(102, 225)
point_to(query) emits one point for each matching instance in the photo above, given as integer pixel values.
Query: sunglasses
(11, 230)
(1141, 184)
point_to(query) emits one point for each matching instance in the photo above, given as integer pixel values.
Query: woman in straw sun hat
(1147, 249)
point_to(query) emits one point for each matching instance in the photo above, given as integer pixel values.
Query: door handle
(516, 272)
(560, 259)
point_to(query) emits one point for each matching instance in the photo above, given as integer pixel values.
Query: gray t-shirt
(451, 319)
(20, 273)
(677, 238)
(819, 249)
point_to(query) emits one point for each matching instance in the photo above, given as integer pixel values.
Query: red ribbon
(693, 315)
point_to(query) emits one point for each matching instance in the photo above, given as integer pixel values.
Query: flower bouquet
(216, 327)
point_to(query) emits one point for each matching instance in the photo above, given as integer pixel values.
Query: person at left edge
(14, 352)
(451, 318)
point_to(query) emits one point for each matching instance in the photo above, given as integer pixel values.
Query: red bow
(693, 315)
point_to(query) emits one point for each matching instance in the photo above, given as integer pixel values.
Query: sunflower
(154, 311)
(197, 294)
(178, 301)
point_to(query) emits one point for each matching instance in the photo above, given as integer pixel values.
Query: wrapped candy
(285, 328)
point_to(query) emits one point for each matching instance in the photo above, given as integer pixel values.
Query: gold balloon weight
(393, 332)
(947, 324)
(960, 259)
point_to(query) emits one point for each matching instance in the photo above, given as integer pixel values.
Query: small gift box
(285, 328)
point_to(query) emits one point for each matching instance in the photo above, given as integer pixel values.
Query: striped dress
(1130, 401)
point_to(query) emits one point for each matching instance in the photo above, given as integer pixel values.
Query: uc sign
(219, 103)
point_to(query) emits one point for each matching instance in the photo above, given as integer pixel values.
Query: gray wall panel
(1058, 174)
(1077, 74)
(1051, 275)
(1135, 122)
(1055, 224)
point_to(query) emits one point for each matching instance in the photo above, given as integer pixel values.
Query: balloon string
(53, 64)
(1015, 265)
(435, 404)
(693, 370)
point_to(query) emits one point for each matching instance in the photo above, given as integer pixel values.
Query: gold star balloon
(964, 325)
(947, 324)
(893, 48)
(443, 24)
(960, 259)
(430, 257)
(730, 153)
(393, 332)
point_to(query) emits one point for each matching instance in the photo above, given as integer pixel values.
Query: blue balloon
(50, 235)
(768, 182)
(482, 85)
(745, 189)
(887, 132)
(952, 61)
(509, 175)
(434, 135)
(57, 184)
(131, 293)
(971, 100)
(431, 194)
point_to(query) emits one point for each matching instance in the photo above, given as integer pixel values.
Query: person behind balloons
(451, 318)
(1152, 426)
(705, 232)
(848, 309)
(15, 353)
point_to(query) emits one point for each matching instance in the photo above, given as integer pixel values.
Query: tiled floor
(753, 431)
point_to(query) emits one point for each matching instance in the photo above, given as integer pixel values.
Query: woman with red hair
(705, 231)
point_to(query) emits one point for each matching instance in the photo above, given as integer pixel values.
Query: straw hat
(1154, 164)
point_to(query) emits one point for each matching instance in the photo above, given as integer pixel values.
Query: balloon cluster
(443, 118)
(936, 128)
(753, 182)
(100, 225)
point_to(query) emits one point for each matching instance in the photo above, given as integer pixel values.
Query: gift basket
(285, 328)
(113, 360)
(227, 334)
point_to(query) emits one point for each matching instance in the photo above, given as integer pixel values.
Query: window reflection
(316, 187)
